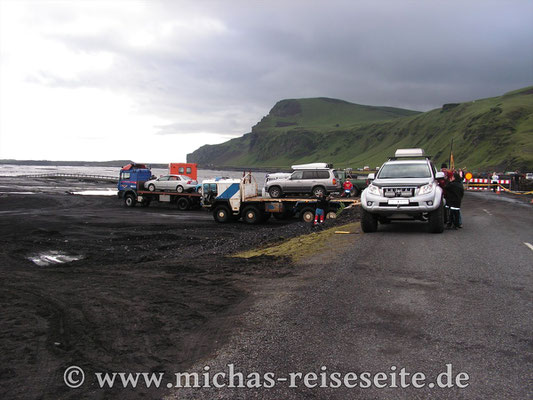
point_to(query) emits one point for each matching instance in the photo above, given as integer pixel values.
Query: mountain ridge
(495, 132)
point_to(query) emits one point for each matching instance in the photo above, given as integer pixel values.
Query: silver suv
(306, 179)
(405, 187)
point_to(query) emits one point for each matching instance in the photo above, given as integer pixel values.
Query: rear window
(408, 170)
(322, 174)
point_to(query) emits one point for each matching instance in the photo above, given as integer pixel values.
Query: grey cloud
(416, 55)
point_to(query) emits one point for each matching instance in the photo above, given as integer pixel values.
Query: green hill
(493, 133)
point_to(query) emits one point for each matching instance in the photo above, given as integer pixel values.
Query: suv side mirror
(371, 177)
(439, 175)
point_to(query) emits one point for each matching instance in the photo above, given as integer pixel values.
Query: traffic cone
(498, 189)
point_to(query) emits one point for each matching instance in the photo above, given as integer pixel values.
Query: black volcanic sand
(149, 294)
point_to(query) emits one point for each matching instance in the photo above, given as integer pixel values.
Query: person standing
(321, 209)
(454, 196)
(494, 181)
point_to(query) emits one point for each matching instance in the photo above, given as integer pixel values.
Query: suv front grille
(398, 191)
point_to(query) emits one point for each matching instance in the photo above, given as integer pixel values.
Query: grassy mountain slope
(489, 133)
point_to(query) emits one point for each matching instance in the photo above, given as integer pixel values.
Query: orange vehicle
(188, 169)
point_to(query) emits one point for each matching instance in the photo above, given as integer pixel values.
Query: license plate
(396, 202)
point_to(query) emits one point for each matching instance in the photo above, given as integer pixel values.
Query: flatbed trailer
(183, 201)
(232, 199)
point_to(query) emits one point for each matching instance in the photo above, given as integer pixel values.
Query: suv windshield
(411, 170)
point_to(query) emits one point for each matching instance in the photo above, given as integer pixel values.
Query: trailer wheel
(151, 187)
(129, 200)
(307, 214)
(331, 215)
(222, 214)
(179, 189)
(183, 204)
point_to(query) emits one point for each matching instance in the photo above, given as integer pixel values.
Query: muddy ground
(149, 292)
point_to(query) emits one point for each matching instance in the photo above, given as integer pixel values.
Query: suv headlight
(426, 189)
(374, 190)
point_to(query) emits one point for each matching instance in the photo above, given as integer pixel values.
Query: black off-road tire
(222, 214)
(252, 215)
(436, 220)
(369, 222)
(307, 215)
(183, 204)
(130, 200)
(275, 192)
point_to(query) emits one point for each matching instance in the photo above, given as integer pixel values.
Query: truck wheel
(307, 214)
(222, 214)
(275, 192)
(183, 204)
(369, 222)
(319, 191)
(436, 220)
(251, 215)
(151, 187)
(331, 215)
(179, 189)
(129, 200)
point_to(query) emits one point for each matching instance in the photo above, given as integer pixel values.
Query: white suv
(405, 187)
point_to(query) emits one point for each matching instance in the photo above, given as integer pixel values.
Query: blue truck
(131, 189)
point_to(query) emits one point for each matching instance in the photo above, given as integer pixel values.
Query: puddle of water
(53, 257)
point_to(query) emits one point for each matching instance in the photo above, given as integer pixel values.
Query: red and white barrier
(486, 184)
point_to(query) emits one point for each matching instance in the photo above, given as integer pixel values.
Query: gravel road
(398, 298)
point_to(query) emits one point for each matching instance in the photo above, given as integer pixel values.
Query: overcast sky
(154, 80)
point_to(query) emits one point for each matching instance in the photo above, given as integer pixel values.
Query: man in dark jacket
(454, 194)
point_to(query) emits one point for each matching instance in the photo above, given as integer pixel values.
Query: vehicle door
(173, 182)
(309, 181)
(294, 183)
(162, 183)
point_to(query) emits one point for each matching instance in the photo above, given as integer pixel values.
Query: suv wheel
(275, 192)
(436, 220)
(369, 222)
(319, 191)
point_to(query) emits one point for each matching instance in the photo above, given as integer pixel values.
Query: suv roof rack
(312, 166)
(409, 153)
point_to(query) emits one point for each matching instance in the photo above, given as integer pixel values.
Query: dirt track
(147, 294)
